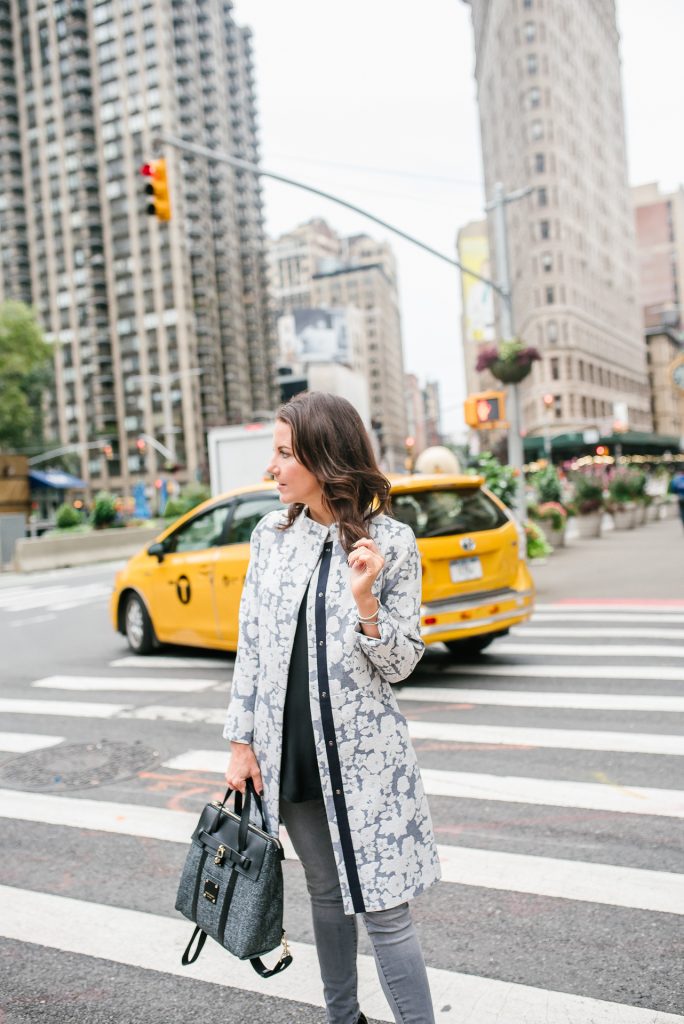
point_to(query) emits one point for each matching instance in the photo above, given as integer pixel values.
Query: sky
(374, 101)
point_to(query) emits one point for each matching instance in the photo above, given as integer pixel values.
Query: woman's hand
(242, 766)
(365, 562)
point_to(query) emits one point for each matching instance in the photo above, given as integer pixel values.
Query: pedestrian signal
(157, 189)
(485, 410)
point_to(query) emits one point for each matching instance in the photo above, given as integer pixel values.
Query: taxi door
(233, 560)
(181, 586)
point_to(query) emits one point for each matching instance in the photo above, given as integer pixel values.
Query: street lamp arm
(224, 158)
(65, 450)
(158, 446)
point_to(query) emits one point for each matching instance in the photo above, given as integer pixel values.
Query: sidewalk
(646, 563)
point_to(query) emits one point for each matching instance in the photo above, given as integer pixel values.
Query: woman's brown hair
(330, 440)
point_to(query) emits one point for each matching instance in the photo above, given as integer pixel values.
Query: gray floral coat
(377, 810)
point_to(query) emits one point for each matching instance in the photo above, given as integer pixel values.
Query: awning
(631, 442)
(57, 479)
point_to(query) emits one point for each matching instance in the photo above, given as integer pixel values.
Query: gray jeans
(398, 956)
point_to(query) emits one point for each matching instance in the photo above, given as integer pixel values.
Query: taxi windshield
(437, 513)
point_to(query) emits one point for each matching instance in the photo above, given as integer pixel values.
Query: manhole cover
(76, 766)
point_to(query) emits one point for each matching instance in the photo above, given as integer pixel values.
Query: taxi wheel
(137, 626)
(473, 645)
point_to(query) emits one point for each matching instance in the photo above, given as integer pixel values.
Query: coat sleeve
(399, 649)
(239, 725)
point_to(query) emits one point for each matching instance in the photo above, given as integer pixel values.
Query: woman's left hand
(365, 561)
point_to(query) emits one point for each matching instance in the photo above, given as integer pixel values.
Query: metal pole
(515, 444)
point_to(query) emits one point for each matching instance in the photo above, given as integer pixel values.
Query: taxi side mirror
(157, 550)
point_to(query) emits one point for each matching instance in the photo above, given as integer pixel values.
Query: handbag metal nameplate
(211, 890)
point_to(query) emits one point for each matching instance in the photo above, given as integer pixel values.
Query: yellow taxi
(185, 587)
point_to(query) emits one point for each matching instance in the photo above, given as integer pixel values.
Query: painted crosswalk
(55, 598)
(625, 692)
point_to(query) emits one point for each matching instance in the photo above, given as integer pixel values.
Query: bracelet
(370, 619)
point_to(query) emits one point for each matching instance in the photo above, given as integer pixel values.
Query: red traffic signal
(157, 189)
(485, 410)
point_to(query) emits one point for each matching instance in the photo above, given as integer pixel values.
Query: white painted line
(155, 943)
(619, 673)
(18, 623)
(642, 617)
(598, 606)
(528, 699)
(61, 708)
(560, 739)
(509, 788)
(602, 633)
(658, 891)
(25, 742)
(592, 650)
(123, 683)
(154, 661)
(164, 713)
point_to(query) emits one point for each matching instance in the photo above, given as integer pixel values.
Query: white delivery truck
(238, 455)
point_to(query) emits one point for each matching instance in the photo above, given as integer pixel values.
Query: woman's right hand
(242, 766)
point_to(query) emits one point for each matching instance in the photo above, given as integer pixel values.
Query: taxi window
(204, 531)
(439, 513)
(247, 515)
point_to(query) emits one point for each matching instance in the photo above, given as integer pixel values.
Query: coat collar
(316, 531)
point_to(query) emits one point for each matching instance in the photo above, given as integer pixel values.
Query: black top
(299, 776)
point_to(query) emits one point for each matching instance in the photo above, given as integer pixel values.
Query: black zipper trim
(328, 724)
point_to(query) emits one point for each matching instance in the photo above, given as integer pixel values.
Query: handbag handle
(243, 810)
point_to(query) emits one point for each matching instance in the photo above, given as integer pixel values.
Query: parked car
(185, 587)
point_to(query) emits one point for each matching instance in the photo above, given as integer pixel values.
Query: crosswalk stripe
(153, 661)
(563, 739)
(61, 708)
(637, 888)
(591, 650)
(155, 942)
(124, 683)
(25, 742)
(55, 598)
(509, 788)
(570, 616)
(601, 633)
(598, 605)
(659, 673)
(529, 699)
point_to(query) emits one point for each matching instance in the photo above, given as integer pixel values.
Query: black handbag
(232, 884)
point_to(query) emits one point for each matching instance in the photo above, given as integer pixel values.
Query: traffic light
(141, 445)
(410, 444)
(108, 451)
(485, 410)
(157, 188)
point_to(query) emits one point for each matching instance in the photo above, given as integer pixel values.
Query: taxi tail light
(430, 620)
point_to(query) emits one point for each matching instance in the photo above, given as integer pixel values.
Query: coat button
(321, 594)
(331, 743)
(321, 643)
(325, 693)
(338, 792)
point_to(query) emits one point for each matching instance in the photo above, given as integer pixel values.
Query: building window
(542, 197)
(555, 368)
(558, 406)
(539, 163)
(547, 261)
(552, 331)
(532, 64)
(534, 98)
(527, 4)
(550, 299)
(530, 32)
(584, 405)
(544, 229)
(536, 130)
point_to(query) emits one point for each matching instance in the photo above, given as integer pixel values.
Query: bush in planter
(499, 479)
(191, 496)
(510, 363)
(67, 517)
(537, 544)
(552, 512)
(547, 485)
(104, 512)
(621, 489)
(588, 496)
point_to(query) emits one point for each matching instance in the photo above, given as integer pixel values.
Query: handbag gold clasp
(220, 854)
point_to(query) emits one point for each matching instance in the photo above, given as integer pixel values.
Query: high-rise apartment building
(158, 329)
(314, 267)
(551, 117)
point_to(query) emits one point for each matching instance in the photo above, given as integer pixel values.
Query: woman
(329, 619)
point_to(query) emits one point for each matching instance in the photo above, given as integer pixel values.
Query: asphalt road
(554, 765)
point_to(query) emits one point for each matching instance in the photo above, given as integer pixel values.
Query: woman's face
(296, 484)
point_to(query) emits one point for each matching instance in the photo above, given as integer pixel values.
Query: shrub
(104, 510)
(551, 511)
(588, 493)
(67, 517)
(191, 496)
(547, 485)
(537, 544)
(499, 479)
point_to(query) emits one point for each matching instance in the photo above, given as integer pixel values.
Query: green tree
(25, 372)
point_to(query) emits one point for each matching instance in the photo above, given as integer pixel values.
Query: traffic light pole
(515, 442)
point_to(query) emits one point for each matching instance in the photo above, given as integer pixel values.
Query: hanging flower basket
(510, 363)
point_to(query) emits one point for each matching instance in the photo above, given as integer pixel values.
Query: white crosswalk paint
(637, 888)
(620, 673)
(153, 942)
(154, 662)
(56, 598)
(563, 739)
(591, 650)
(530, 699)
(600, 633)
(636, 608)
(25, 742)
(656, 618)
(509, 788)
(123, 683)
(61, 708)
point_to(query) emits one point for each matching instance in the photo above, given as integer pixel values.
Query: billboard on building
(315, 336)
(478, 300)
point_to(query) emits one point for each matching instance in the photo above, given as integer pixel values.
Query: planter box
(556, 538)
(58, 552)
(624, 518)
(641, 513)
(589, 525)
